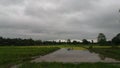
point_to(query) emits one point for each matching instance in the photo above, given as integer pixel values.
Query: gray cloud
(10, 2)
(53, 19)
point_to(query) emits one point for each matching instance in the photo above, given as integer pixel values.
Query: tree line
(101, 40)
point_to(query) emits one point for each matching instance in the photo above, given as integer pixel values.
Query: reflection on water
(91, 51)
(102, 57)
(92, 54)
(70, 55)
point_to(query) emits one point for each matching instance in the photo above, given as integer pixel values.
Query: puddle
(65, 55)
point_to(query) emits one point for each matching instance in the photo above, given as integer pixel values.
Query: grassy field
(68, 65)
(16, 54)
(98, 49)
(10, 55)
(95, 46)
(108, 52)
(75, 47)
(78, 47)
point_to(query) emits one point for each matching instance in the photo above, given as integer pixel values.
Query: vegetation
(108, 52)
(116, 39)
(101, 39)
(75, 47)
(84, 41)
(17, 50)
(16, 54)
(96, 46)
(30, 42)
(10, 55)
(68, 65)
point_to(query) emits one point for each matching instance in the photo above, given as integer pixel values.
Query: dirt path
(63, 55)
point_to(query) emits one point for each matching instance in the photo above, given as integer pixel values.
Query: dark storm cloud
(59, 19)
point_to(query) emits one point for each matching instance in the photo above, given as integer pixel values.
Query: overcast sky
(59, 19)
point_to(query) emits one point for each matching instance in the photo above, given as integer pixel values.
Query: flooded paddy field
(65, 55)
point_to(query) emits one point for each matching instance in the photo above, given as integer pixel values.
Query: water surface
(64, 55)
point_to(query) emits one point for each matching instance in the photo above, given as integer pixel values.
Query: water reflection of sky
(65, 55)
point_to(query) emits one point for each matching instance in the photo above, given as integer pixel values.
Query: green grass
(108, 52)
(10, 55)
(16, 54)
(68, 65)
(75, 47)
(96, 46)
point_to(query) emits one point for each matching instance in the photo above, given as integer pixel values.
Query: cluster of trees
(25, 42)
(16, 41)
(102, 40)
(116, 39)
(30, 42)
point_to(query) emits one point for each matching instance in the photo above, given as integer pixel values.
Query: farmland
(75, 47)
(98, 49)
(12, 55)
(18, 54)
(108, 52)
(68, 65)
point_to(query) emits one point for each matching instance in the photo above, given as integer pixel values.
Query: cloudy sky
(59, 19)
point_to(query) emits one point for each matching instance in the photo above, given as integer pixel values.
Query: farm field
(68, 65)
(96, 46)
(108, 52)
(11, 55)
(76, 47)
(59, 33)
(18, 54)
(80, 65)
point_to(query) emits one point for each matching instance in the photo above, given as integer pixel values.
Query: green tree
(116, 39)
(84, 41)
(68, 41)
(101, 39)
(74, 42)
